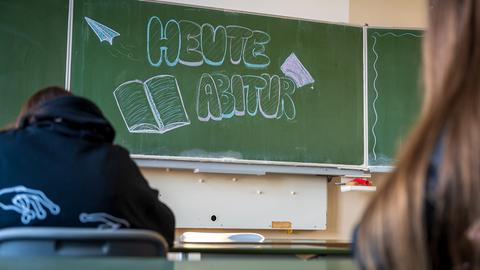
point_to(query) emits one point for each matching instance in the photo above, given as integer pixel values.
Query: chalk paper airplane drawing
(153, 106)
(103, 32)
(294, 69)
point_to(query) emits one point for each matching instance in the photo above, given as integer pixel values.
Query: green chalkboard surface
(394, 96)
(33, 44)
(190, 82)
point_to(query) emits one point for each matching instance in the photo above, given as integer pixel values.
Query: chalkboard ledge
(357, 188)
(380, 169)
(238, 168)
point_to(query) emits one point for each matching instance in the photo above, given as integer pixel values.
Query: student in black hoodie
(58, 167)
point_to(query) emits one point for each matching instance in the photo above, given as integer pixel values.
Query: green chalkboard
(394, 90)
(33, 38)
(190, 82)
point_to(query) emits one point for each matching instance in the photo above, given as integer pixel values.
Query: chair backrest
(52, 241)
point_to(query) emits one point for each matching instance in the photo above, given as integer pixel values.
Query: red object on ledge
(361, 182)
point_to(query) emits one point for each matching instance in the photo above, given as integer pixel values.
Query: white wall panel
(243, 202)
(324, 10)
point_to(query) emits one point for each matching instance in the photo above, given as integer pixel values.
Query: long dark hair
(393, 233)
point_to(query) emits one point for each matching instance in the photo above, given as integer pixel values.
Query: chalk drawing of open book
(153, 106)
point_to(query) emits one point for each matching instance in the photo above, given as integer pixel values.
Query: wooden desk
(56, 263)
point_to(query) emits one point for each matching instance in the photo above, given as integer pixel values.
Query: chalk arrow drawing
(103, 32)
(294, 69)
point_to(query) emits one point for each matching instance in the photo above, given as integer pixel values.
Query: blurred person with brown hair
(420, 218)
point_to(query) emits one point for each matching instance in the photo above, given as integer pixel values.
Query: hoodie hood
(73, 116)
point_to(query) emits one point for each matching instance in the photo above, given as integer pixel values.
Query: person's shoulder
(122, 168)
(119, 150)
(7, 137)
(12, 142)
(120, 157)
(7, 132)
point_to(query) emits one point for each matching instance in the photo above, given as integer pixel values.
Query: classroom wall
(326, 10)
(389, 13)
(344, 209)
